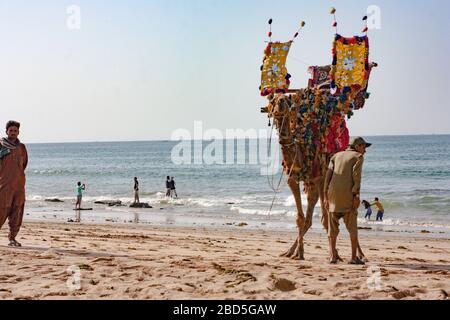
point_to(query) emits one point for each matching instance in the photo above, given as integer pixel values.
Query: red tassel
(335, 24)
(365, 29)
(269, 34)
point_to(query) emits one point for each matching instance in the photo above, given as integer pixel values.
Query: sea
(409, 174)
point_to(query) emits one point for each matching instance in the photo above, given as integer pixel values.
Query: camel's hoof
(297, 258)
(338, 257)
(287, 254)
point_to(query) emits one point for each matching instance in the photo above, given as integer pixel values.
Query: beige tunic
(343, 180)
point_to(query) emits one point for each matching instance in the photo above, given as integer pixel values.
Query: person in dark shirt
(168, 189)
(173, 189)
(368, 207)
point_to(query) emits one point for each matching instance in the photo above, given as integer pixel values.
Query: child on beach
(79, 191)
(380, 212)
(367, 206)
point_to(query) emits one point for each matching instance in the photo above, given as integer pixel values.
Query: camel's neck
(284, 132)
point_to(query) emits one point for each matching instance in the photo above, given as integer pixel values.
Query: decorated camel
(311, 122)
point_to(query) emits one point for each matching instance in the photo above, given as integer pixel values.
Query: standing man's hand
(356, 202)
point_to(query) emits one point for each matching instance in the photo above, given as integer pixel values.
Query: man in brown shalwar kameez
(342, 188)
(13, 162)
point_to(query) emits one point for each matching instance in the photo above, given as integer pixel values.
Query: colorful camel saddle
(319, 76)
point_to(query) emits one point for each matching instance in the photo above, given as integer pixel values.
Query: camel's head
(278, 107)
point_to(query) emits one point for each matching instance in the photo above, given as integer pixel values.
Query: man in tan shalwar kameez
(342, 191)
(13, 162)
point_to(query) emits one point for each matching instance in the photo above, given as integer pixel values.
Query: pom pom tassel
(269, 34)
(333, 12)
(302, 24)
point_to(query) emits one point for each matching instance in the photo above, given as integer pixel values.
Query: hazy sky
(137, 70)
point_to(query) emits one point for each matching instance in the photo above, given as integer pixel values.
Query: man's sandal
(363, 259)
(14, 243)
(357, 261)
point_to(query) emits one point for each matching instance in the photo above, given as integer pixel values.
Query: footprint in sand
(312, 292)
(23, 298)
(403, 294)
(282, 285)
(417, 259)
(56, 294)
(49, 254)
(102, 260)
(443, 294)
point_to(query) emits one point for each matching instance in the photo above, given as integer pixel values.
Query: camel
(304, 121)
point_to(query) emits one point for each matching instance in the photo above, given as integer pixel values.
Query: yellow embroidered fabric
(274, 68)
(350, 64)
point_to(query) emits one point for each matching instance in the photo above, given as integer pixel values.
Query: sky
(138, 70)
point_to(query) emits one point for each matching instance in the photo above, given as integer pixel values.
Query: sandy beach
(118, 261)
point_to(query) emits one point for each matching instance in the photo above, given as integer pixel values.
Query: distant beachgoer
(136, 190)
(173, 189)
(380, 212)
(80, 188)
(168, 189)
(13, 162)
(368, 207)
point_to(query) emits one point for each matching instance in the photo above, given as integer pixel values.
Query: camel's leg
(297, 249)
(291, 250)
(360, 254)
(323, 208)
(295, 188)
(313, 198)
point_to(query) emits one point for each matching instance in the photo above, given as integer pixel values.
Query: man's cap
(358, 141)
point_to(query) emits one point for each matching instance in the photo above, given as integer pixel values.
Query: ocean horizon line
(225, 139)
